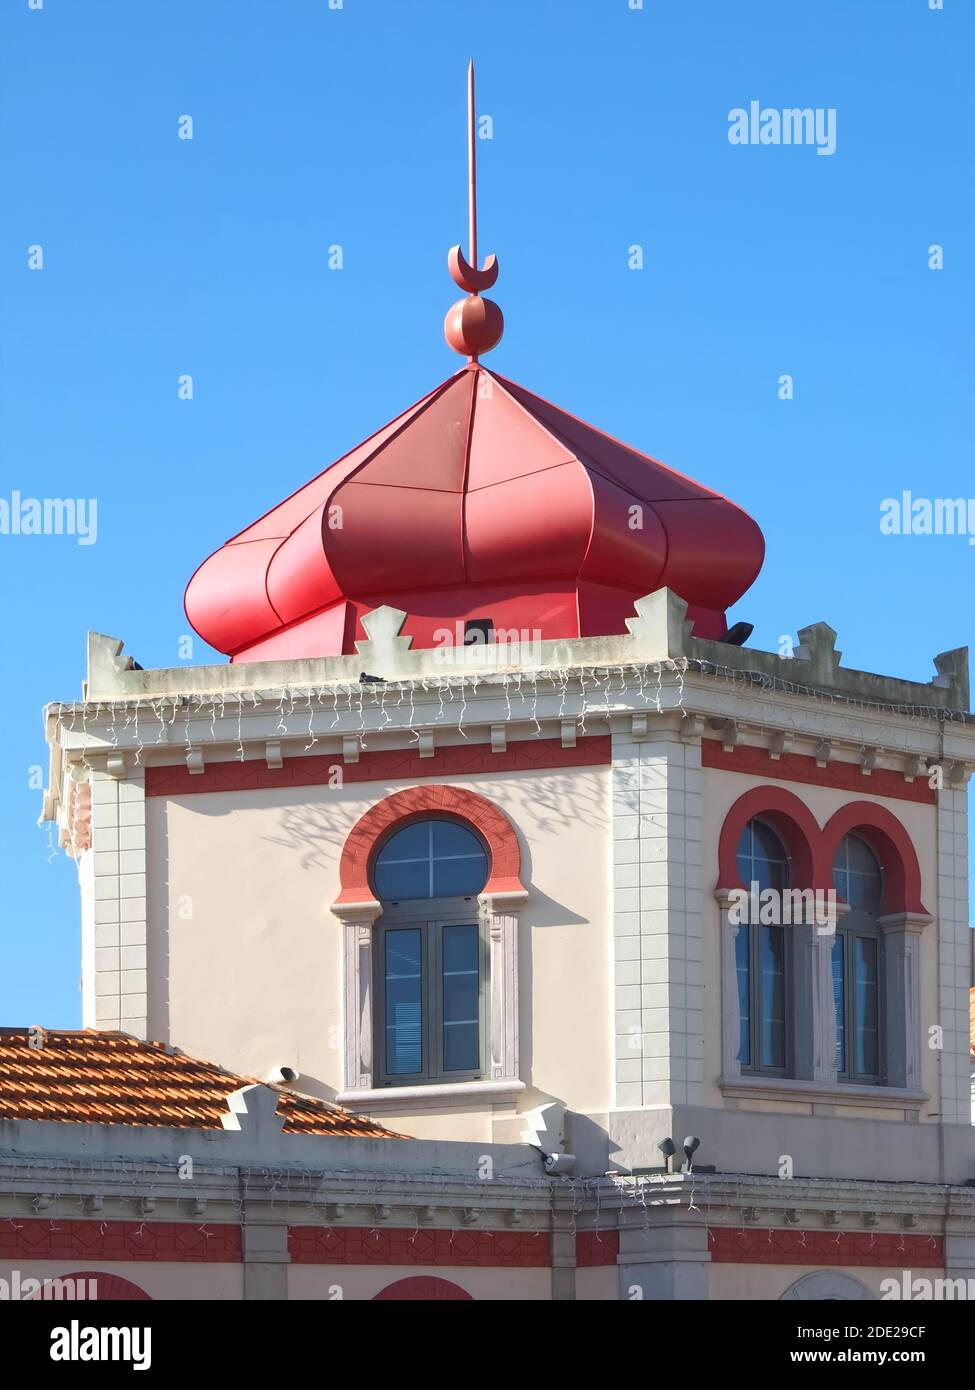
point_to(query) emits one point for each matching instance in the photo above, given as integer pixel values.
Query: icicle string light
(463, 709)
(577, 693)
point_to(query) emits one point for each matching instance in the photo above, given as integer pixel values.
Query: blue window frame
(857, 964)
(762, 958)
(430, 859)
(431, 956)
(404, 1001)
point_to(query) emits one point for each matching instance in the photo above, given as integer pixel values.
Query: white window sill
(397, 1099)
(754, 1087)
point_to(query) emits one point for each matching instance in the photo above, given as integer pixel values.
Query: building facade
(492, 830)
(236, 829)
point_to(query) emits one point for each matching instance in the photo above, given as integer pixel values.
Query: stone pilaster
(954, 955)
(563, 1247)
(266, 1256)
(960, 1250)
(666, 1262)
(119, 907)
(657, 919)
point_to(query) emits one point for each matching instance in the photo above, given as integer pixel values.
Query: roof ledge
(659, 632)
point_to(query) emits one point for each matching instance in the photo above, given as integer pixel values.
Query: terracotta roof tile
(88, 1076)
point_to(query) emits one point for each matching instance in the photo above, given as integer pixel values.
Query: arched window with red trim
(779, 1014)
(431, 954)
(437, 870)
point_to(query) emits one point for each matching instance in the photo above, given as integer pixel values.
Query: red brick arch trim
(813, 850)
(791, 820)
(423, 1288)
(92, 1284)
(891, 844)
(430, 800)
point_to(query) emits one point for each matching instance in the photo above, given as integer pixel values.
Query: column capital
(362, 913)
(904, 921)
(504, 901)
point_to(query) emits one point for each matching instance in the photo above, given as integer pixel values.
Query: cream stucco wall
(358, 1282)
(600, 1284)
(722, 790)
(245, 956)
(768, 1282)
(224, 1282)
(159, 1279)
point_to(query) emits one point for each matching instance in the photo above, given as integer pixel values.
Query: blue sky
(314, 127)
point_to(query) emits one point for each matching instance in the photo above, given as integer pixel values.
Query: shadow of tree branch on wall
(548, 804)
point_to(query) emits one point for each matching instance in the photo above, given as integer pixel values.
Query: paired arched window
(764, 959)
(762, 956)
(857, 963)
(431, 957)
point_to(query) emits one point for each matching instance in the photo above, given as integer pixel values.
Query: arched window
(431, 957)
(857, 963)
(761, 955)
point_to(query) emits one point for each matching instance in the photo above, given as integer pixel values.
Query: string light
(594, 683)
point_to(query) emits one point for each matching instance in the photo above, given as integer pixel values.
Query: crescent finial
(472, 325)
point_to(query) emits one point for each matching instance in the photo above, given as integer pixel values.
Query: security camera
(282, 1076)
(559, 1163)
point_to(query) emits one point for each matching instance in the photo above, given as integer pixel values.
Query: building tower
(490, 825)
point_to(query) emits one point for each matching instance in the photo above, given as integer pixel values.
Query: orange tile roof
(94, 1077)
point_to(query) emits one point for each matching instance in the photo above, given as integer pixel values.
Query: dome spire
(473, 325)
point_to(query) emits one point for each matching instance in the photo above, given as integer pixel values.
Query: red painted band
(166, 1241)
(730, 1245)
(362, 1245)
(799, 767)
(596, 1248)
(179, 1242)
(386, 765)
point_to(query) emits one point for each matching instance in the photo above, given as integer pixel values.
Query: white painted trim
(393, 1099)
(730, 1005)
(501, 919)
